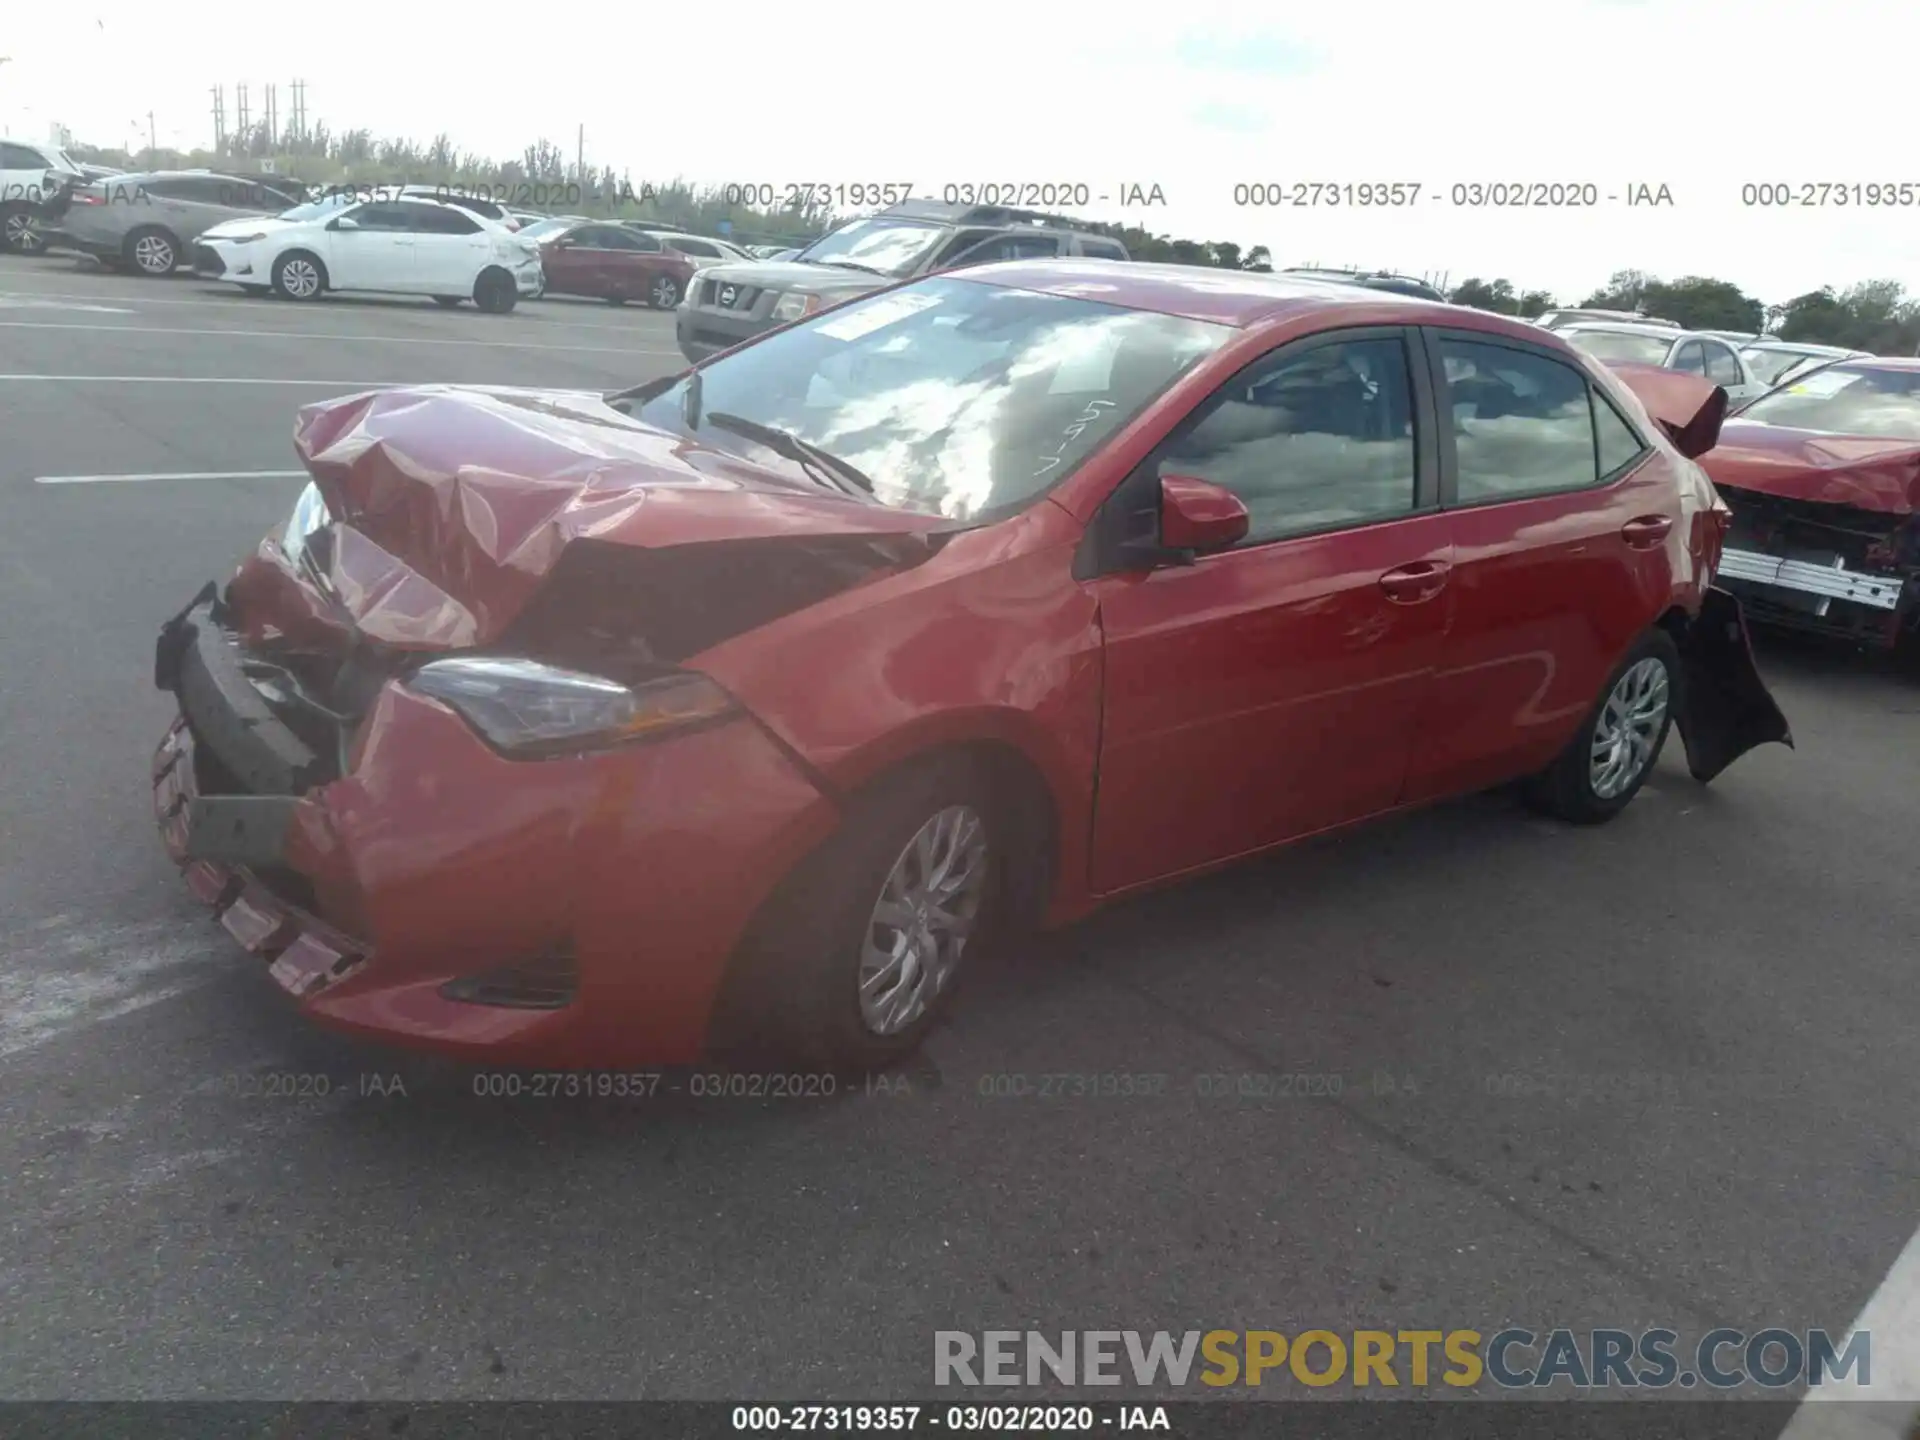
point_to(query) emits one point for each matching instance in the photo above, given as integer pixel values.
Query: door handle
(1412, 584)
(1647, 531)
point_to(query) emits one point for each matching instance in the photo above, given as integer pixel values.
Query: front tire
(494, 292)
(853, 961)
(1610, 757)
(299, 276)
(151, 252)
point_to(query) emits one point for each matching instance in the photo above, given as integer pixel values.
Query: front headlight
(530, 710)
(239, 239)
(792, 307)
(309, 514)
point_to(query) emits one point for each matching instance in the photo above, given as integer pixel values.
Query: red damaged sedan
(1823, 477)
(731, 713)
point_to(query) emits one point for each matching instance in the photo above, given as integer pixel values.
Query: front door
(1272, 690)
(374, 251)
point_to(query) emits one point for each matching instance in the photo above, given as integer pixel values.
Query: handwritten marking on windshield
(1074, 431)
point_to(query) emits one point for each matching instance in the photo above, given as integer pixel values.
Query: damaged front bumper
(1823, 568)
(421, 889)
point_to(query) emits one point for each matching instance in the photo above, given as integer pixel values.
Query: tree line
(1875, 315)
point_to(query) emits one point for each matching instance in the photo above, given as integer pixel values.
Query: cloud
(1259, 53)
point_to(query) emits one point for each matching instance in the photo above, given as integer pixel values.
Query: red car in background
(728, 715)
(1823, 478)
(609, 262)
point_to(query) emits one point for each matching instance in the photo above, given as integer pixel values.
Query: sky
(1703, 97)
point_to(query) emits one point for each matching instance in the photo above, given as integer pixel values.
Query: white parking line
(557, 312)
(455, 340)
(1889, 1402)
(170, 475)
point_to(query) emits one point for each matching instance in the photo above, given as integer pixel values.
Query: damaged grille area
(1834, 569)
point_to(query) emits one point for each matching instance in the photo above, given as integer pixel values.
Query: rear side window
(19, 157)
(1102, 250)
(1616, 443)
(1691, 358)
(1523, 423)
(441, 220)
(696, 247)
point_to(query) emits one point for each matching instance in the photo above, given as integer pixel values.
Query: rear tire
(795, 989)
(663, 293)
(20, 229)
(150, 252)
(1613, 752)
(494, 292)
(298, 275)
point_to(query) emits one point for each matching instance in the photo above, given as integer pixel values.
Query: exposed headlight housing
(309, 514)
(529, 710)
(793, 306)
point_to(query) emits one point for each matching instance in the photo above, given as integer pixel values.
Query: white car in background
(1688, 351)
(1777, 361)
(403, 245)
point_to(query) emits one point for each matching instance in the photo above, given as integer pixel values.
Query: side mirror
(343, 222)
(564, 242)
(1198, 517)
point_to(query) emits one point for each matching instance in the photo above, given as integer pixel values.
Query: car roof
(1239, 298)
(1802, 347)
(1624, 327)
(1880, 362)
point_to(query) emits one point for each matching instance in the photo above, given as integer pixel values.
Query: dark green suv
(726, 304)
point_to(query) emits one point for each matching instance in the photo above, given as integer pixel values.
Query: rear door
(1273, 689)
(634, 260)
(1558, 514)
(450, 248)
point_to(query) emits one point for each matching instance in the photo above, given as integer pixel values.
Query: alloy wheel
(665, 292)
(922, 920)
(301, 279)
(1629, 726)
(153, 254)
(23, 234)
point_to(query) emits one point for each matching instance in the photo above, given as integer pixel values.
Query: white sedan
(399, 246)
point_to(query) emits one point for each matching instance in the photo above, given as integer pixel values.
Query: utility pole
(273, 117)
(219, 119)
(244, 132)
(580, 159)
(300, 109)
(153, 147)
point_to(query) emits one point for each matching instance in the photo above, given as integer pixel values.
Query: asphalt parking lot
(1708, 1007)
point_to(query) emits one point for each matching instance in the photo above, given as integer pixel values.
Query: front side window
(1851, 398)
(1309, 440)
(1722, 368)
(383, 217)
(1522, 422)
(1691, 358)
(954, 397)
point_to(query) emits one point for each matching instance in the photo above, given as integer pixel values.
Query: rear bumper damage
(423, 890)
(1725, 707)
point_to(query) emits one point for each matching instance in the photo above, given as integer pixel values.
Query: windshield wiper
(643, 392)
(850, 265)
(802, 452)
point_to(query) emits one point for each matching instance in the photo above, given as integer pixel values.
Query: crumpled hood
(452, 504)
(1864, 471)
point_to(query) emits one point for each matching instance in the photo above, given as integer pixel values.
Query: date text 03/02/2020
(1512, 1358)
